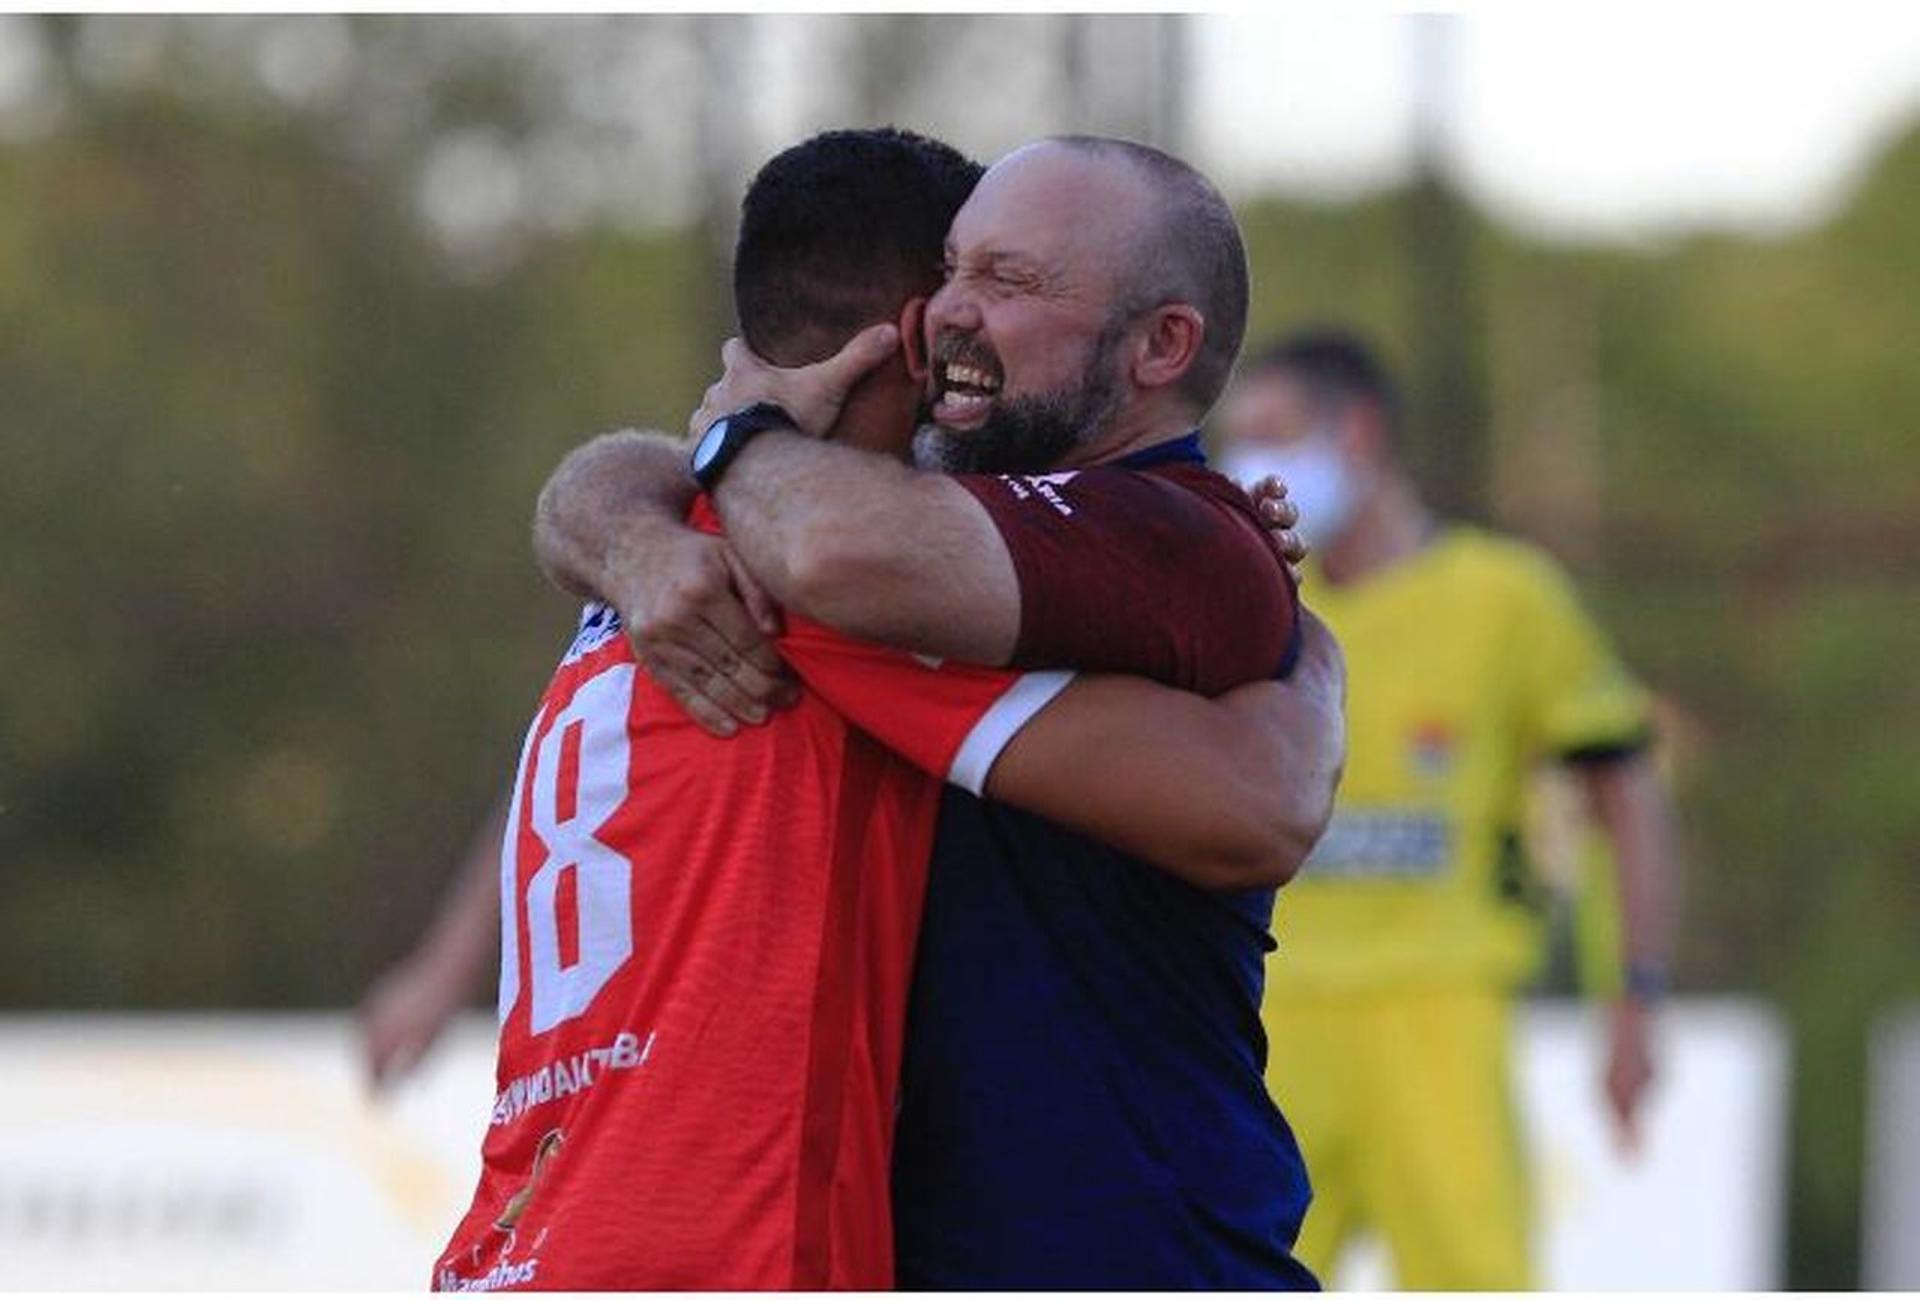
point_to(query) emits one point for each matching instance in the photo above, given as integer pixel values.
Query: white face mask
(1317, 478)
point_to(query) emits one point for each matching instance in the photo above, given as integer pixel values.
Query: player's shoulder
(1503, 566)
(1198, 478)
(1184, 490)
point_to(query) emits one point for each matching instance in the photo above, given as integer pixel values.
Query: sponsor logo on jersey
(501, 1276)
(1430, 750)
(599, 624)
(1395, 843)
(1045, 486)
(568, 1075)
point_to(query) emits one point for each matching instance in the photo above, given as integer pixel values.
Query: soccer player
(1082, 1102)
(706, 944)
(1408, 930)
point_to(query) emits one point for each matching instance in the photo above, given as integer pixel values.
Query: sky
(1627, 121)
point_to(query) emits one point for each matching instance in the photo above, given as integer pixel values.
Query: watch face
(709, 445)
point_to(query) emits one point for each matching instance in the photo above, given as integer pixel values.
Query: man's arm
(873, 548)
(611, 524)
(1631, 806)
(604, 503)
(1230, 793)
(411, 1003)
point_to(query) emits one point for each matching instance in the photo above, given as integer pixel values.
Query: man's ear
(913, 340)
(1167, 349)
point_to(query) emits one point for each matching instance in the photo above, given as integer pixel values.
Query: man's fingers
(745, 379)
(1269, 485)
(812, 395)
(1278, 512)
(397, 1062)
(731, 697)
(674, 678)
(1292, 546)
(710, 717)
(757, 672)
(863, 352)
(760, 606)
(705, 413)
(741, 651)
(1626, 1119)
(727, 645)
(702, 659)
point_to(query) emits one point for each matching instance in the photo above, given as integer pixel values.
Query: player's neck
(1392, 527)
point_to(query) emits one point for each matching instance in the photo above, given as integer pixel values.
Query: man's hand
(1629, 1069)
(411, 1003)
(404, 1013)
(701, 627)
(1281, 517)
(812, 395)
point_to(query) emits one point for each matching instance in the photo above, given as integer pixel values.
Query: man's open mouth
(964, 389)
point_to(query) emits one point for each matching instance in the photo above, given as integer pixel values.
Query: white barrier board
(1890, 1255)
(228, 1152)
(242, 1152)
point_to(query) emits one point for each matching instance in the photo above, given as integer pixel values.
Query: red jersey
(706, 949)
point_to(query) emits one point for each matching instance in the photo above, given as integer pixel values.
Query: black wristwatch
(724, 438)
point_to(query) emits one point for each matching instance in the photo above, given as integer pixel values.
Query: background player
(696, 1090)
(1406, 935)
(1082, 1102)
(408, 1007)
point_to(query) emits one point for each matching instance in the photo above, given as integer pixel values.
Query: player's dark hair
(838, 232)
(1336, 366)
(1193, 254)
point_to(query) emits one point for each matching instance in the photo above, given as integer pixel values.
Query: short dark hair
(1193, 254)
(838, 232)
(1336, 366)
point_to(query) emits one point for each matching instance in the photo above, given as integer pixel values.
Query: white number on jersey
(565, 807)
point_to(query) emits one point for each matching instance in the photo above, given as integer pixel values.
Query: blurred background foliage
(295, 315)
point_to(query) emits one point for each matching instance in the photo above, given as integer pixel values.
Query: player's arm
(411, 1003)
(1585, 708)
(1629, 802)
(1228, 793)
(611, 523)
(873, 548)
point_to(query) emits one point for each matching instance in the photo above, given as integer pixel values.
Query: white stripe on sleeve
(999, 724)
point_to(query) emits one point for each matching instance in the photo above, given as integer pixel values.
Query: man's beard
(1027, 435)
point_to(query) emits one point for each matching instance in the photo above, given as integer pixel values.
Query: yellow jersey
(1467, 663)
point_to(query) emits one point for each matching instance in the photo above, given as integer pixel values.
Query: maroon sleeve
(1165, 573)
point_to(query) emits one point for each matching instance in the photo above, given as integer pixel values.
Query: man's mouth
(964, 392)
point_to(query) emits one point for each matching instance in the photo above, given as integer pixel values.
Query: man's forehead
(1050, 201)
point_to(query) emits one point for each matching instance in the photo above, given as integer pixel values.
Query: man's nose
(952, 307)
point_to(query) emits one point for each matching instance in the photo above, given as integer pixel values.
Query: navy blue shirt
(1082, 1101)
